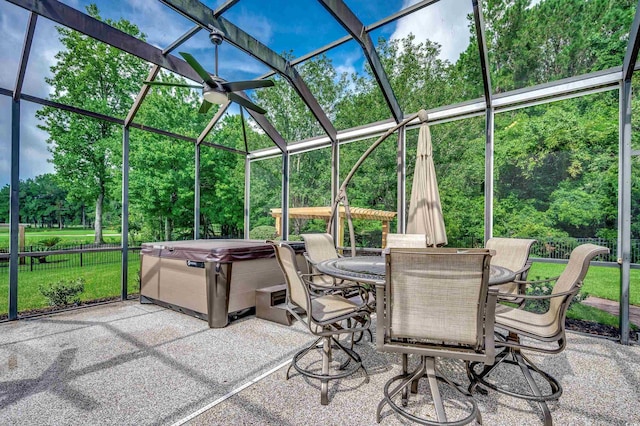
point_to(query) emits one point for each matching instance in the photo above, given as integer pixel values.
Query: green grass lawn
(67, 235)
(100, 281)
(601, 281)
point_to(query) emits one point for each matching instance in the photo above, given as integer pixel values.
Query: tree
(162, 169)
(100, 78)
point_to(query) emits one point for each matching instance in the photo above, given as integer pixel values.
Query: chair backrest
(407, 240)
(319, 247)
(511, 253)
(437, 295)
(297, 291)
(572, 277)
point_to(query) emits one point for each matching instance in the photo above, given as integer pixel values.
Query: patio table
(371, 270)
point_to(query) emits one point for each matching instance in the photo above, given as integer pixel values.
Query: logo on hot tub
(194, 264)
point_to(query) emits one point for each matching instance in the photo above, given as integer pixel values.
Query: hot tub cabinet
(209, 279)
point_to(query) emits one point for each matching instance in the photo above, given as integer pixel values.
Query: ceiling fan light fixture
(216, 97)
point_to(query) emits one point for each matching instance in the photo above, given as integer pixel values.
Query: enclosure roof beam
(631, 55)
(26, 48)
(184, 37)
(540, 94)
(108, 118)
(204, 16)
(391, 18)
(482, 49)
(221, 110)
(85, 24)
(224, 7)
(141, 95)
(341, 13)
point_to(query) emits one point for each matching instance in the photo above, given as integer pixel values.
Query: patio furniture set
(430, 303)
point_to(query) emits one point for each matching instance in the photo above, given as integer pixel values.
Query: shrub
(263, 232)
(63, 293)
(545, 289)
(49, 242)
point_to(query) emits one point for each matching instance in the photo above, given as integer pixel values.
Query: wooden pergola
(325, 213)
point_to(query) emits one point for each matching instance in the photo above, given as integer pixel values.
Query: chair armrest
(522, 270)
(536, 281)
(508, 296)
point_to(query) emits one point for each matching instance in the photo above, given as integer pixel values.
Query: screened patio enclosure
(489, 81)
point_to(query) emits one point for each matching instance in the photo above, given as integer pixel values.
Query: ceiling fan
(214, 89)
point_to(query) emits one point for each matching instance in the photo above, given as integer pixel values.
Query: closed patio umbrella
(425, 210)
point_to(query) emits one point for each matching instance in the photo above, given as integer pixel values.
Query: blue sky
(299, 26)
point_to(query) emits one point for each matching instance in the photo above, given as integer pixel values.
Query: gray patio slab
(130, 364)
(601, 381)
(127, 363)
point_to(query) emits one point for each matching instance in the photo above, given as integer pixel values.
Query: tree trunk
(98, 223)
(167, 229)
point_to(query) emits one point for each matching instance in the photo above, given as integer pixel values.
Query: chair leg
(546, 414)
(514, 356)
(299, 355)
(430, 364)
(326, 358)
(427, 368)
(405, 368)
(329, 343)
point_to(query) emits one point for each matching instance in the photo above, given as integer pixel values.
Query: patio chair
(319, 247)
(513, 254)
(327, 316)
(538, 329)
(435, 303)
(406, 240)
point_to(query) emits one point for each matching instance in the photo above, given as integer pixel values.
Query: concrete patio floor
(132, 364)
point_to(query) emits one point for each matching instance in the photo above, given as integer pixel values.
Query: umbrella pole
(342, 193)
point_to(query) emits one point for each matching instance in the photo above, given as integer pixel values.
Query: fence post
(81, 255)
(31, 261)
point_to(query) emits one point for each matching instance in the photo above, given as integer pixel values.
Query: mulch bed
(54, 309)
(590, 327)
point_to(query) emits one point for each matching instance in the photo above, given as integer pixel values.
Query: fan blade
(245, 103)
(198, 68)
(162, 83)
(234, 86)
(205, 107)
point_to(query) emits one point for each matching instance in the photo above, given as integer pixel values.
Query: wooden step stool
(270, 304)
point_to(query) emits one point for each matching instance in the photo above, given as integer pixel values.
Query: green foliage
(94, 76)
(545, 289)
(263, 232)
(49, 242)
(63, 292)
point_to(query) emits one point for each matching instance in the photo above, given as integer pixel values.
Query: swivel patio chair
(513, 254)
(539, 330)
(319, 247)
(327, 316)
(435, 303)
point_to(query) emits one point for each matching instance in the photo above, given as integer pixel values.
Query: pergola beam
(205, 17)
(341, 13)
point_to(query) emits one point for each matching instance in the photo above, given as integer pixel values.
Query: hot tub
(209, 279)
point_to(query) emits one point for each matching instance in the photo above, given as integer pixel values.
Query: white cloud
(443, 22)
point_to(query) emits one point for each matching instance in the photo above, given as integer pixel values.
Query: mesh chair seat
(545, 325)
(329, 307)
